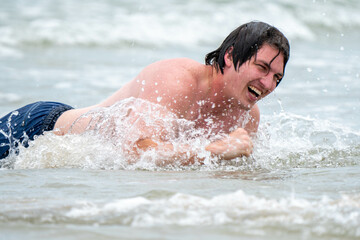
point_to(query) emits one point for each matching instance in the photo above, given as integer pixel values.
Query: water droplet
(158, 99)
(309, 69)
(143, 82)
(342, 48)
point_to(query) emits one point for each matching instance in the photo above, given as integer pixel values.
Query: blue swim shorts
(22, 125)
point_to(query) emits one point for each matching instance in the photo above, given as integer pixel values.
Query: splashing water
(109, 139)
(284, 141)
(289, 140)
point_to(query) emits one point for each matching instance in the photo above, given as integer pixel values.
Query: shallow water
(301, 182)
(93, 204)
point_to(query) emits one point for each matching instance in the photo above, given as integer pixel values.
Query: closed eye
(263, 68)
(278, 77)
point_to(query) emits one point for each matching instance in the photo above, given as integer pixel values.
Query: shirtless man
(247, 67)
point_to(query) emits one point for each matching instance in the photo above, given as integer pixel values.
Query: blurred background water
(302, 181)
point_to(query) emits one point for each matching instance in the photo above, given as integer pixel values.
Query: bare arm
(236, 144)
(182, 156)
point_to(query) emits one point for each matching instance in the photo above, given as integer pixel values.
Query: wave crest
(158, 24)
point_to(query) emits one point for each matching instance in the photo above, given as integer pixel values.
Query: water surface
(302, 181)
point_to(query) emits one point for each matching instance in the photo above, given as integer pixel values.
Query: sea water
(301, 182)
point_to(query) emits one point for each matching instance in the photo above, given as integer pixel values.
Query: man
(247, 67)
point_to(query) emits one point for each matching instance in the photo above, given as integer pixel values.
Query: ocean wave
(324, 217)
(157, 24)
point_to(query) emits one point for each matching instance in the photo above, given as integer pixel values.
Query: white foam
(301, 141)
(109, 140)
(119, 206)
(334, 216)
(159, 24)
(284, 141)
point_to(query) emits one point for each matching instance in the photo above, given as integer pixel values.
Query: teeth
(258, 92)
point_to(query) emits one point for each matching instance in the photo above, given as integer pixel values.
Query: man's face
(256, 78)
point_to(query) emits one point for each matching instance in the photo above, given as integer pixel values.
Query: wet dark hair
(246, 40)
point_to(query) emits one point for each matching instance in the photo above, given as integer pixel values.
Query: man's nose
(267, 81)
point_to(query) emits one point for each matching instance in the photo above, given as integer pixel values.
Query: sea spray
(284, 141)
(107, 138)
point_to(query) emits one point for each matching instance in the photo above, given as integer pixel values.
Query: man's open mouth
(254, 91)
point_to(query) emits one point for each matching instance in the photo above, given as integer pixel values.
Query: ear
(228, 57)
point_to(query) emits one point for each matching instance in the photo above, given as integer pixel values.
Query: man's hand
(237, 144)
(166, 153)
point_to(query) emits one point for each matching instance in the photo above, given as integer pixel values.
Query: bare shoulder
(183, 62)
(175, 67)
(170, 83)
(174, 83)
(172, 78)
(176, 72)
